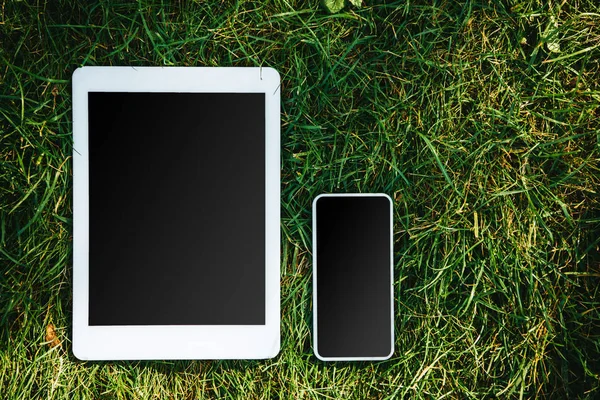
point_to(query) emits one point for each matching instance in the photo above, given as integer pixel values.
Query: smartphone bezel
(315, 269)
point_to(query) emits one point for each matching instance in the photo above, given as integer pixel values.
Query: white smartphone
(353, 298)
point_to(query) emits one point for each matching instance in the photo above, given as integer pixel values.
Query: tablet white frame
(314, 246)
(161, 342)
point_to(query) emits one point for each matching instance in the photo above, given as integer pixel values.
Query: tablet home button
(200, 345)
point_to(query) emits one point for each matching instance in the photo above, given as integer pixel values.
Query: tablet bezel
(175, 341)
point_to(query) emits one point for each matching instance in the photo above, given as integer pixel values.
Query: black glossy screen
(353, 277)
(177, 208)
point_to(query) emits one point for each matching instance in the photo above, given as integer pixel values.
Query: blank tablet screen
(177, 208)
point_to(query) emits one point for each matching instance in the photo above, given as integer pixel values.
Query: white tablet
(176, 238)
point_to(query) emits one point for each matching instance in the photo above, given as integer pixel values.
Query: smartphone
(353, 307)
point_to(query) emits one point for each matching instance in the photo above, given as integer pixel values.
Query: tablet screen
(176, 197)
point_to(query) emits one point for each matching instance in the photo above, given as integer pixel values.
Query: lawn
(481, 119)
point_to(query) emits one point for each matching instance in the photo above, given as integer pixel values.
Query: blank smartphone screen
(353, 276)
(176, 208)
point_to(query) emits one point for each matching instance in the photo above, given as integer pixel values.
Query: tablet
(176, 237)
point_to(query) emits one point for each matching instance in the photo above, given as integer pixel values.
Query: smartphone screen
(353, 277)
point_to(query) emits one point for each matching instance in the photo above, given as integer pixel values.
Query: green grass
(488, 141)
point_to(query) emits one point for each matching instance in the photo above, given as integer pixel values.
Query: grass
(480, 118)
